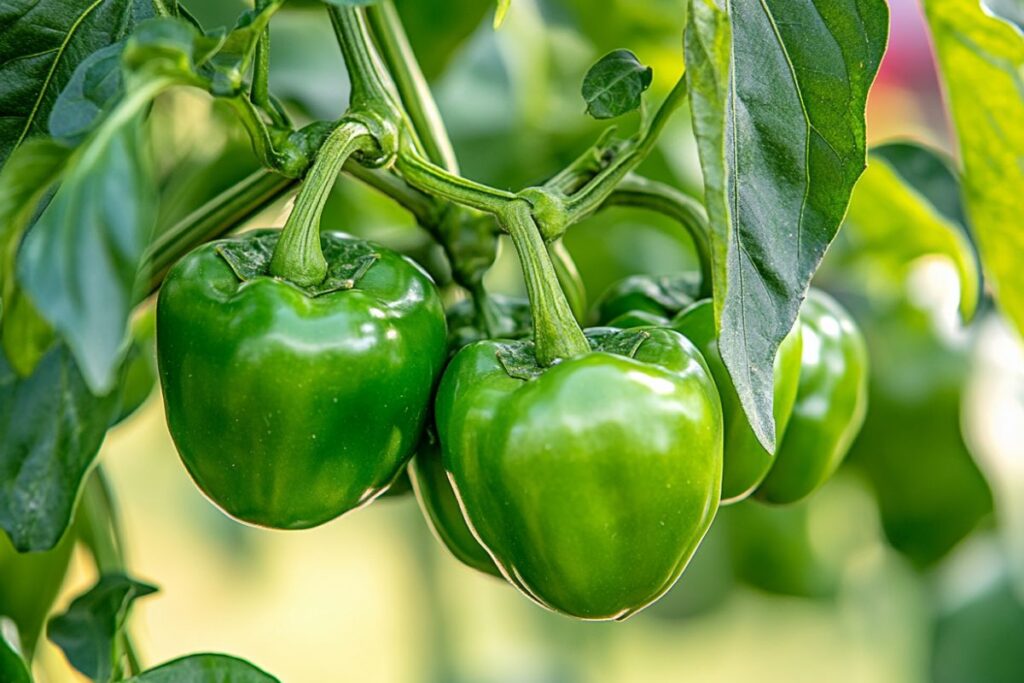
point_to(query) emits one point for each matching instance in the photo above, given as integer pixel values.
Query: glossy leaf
(981, 59)
(51, 427)
(906, 205)
(614, 84)
(205, 668)
(89, 631)
(13, 668)
(80, 261)
(778, 90)
(41, 43)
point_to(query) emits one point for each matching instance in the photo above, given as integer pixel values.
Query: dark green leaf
(88, 632)
(205, 668)
(615, 84)
(79, 263)
(94, 87)
(233, 57)
(138, 374)
(51, 427)
(41, 43)
(778, 90)
(981, 60)
(13, 668)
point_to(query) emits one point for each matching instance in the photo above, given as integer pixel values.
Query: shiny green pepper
(746, 461)
(662, 296)
(291, 405)
(591, 482)
(830, 405)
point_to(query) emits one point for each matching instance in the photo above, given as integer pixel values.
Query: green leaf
(89, 631)
(778, 90)
(51, 427)
(79, 263)
(981, 61)
(24, 181)
(41, 43)
(13, 668)
(94, 87)
(205, 668)
(614, 84)
(234, 55)
(907, 204)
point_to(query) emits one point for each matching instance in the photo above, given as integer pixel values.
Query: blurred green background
(908, 566)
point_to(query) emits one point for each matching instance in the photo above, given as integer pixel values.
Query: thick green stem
(436, 181)
(298, 256)
(213, 219)
(413, 90)
(555, 331)
(643, 193)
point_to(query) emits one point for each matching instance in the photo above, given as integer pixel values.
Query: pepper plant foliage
(776, 91)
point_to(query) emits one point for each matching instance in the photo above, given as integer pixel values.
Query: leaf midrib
(53, 68)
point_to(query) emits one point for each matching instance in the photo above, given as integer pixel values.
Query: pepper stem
(298, 256)
(555, 331)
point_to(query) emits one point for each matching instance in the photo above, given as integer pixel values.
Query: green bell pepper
(830, 405)
(746, 462)
(289, 404)
(590, 481)
(662, 296)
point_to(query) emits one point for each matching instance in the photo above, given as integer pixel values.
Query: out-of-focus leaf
(614, 84)
(13, 668)
(500, 12)
(24, 181)
(89, 631)
(436, 28)
(41, 43)
(30, 584)
(907, 205)
(94, 86)
(79, 263)
(205, 668)
(138, 374)
(777, 91)
(981, 62)
(51, 427)
(1010, 10)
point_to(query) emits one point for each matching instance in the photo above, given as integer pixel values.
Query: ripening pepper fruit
(746, 462)
(591, 481)
(291, 405)
(830, 404)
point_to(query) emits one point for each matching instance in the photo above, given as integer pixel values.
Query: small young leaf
(80, 261)
(13, 668)
(88, 632)
(981, 59)
(205, 668)
(51, 427)
(614, 84)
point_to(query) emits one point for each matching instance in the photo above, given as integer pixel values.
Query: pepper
(289, 404)
(590, 481)
(830, 405)
(746, 461)
(658, 296)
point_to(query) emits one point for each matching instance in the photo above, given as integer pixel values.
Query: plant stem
(555, 331)
(643, 193)
(413, 90)
(590, 197)
(213, 219)
(99, 530)
(436, 181)
(289, 160)
(298, 256)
